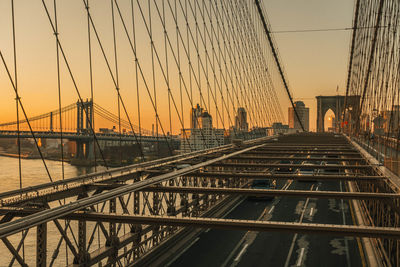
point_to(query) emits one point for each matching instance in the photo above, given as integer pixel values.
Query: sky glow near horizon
(315, 63)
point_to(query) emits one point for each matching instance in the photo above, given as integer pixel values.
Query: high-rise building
(201, 135)
(241, 120)
(304, 115)
(195, 114)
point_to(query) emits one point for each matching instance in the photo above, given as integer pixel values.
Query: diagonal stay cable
(25, 115)
(115, 83)
(72, 78)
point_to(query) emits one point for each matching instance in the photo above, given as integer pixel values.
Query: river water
(34, 173)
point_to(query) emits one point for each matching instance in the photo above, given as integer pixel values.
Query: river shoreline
(27, 156)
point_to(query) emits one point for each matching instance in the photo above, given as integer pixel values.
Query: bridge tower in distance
(84, 147)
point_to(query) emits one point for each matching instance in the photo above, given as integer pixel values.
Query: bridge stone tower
(84, 148)
(336, 104)
(84, 116)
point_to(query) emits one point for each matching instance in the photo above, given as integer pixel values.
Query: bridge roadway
(216, 247)
(239, 248)
(280, 242)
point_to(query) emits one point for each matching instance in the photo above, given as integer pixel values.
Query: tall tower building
(205, 121)
(195, 114)
(304, 114)
(241, 120)
(201, 135)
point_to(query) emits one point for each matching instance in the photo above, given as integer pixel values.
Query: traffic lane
(271, 248)
(211, 248)
(274, 249)
(314, 250)
(340, 250)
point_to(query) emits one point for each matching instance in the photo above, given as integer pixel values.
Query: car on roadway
(306, 169)
(263, 184)
(284, 169)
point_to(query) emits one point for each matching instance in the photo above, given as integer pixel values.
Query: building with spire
(241, 120)
(201, 134)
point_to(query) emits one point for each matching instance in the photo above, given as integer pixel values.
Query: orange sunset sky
(315, 63)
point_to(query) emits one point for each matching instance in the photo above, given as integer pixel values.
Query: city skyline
(31, 66)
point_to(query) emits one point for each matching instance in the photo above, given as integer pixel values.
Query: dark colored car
(263, 184)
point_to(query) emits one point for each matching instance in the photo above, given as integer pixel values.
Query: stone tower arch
(336, 104)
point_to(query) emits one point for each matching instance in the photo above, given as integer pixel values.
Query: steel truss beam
(292, 176)
(264, 158)
(280, 193)
(16, 226)
(264, 166)
(312, 152)
(244, 225)
(344, 145)
(294, 149)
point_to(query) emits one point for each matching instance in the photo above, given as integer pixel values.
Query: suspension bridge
(208, 73)
(76, 127)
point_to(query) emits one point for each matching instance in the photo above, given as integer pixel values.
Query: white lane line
(311, 211)
(225, 263)
(208, 230)
(241, 252)
(300, 257)
(344, 223)
(295, 236)
(230, 256)
(290, 251)
(271, 210)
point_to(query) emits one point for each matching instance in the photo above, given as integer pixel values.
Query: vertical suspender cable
(17, 108)
(370, 63)
(91, 86)
(59, 107)
(117, 81)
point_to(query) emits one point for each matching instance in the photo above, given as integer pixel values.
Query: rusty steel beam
(266, 158)
(299, 166)
(18, 225)
(312, 152)
(294, 149)
(272, 192)
(243, 225)
(292, 176)
(311, 146)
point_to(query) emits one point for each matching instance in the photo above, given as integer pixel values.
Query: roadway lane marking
(311, 211)
(300, 257)
(241, 252)
(346, 243)
(271, 210)
(290, 251)
(208, 230)
(233, 251)
(295, 236)
(245, 238)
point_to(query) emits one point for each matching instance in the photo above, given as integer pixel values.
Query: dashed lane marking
(300, 257)
(241, 252)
